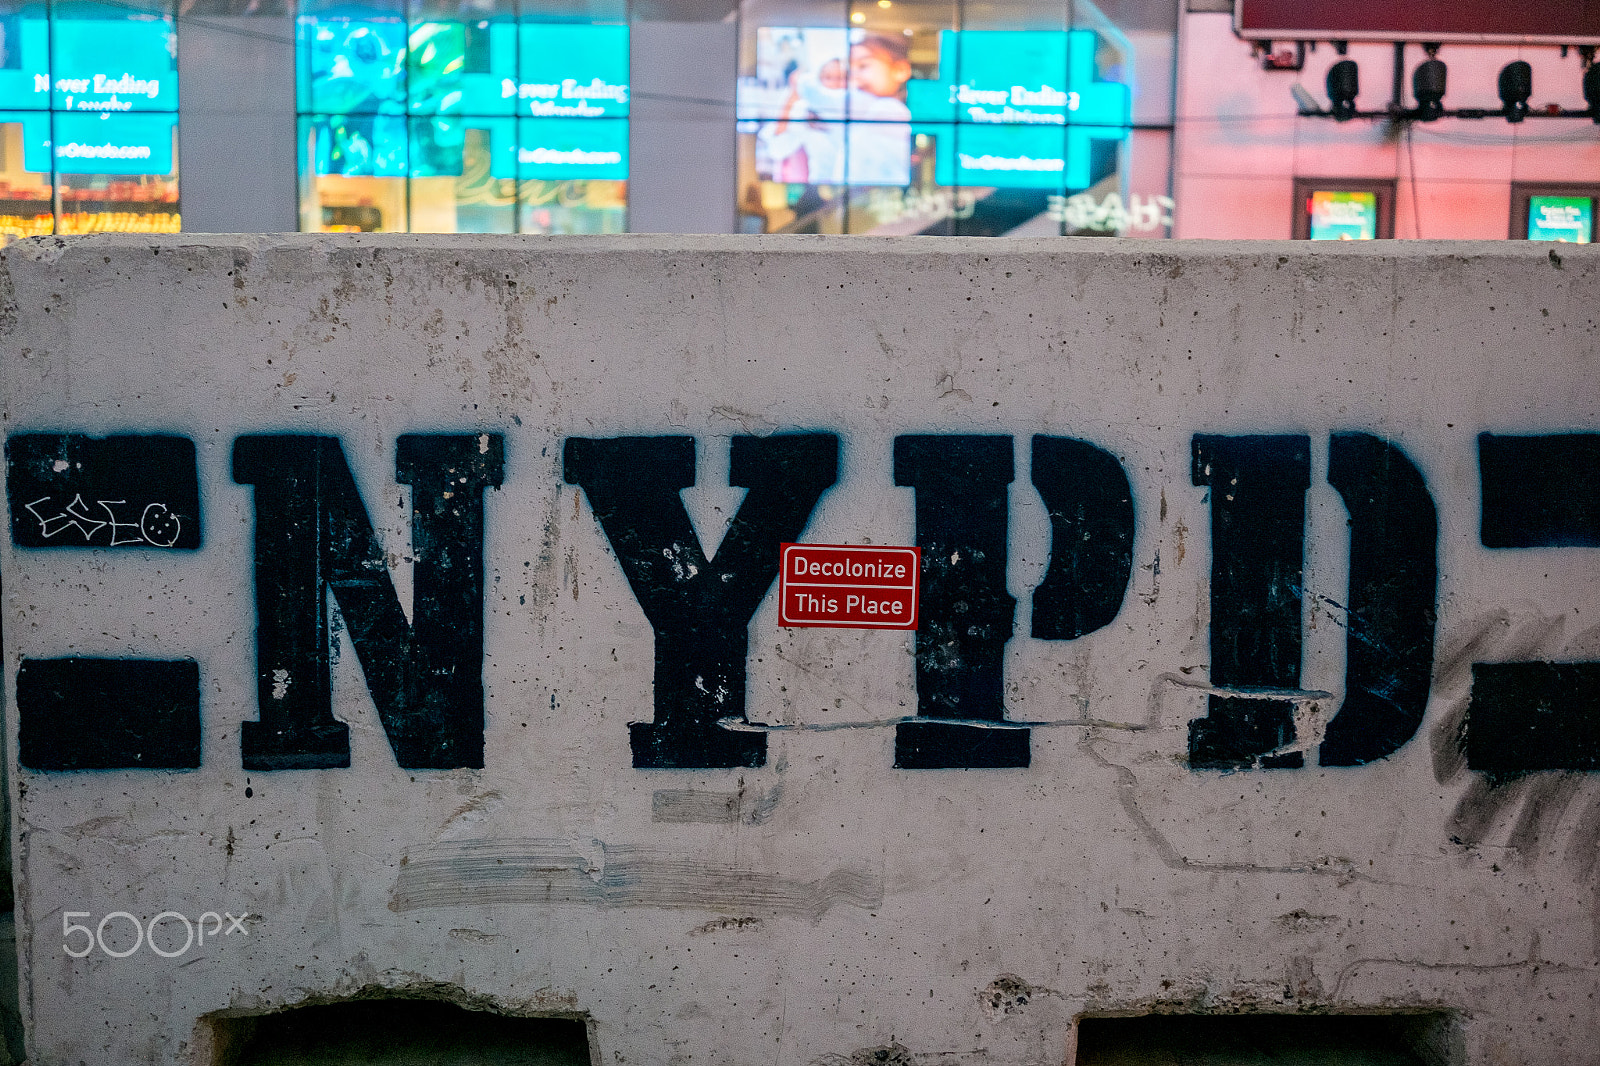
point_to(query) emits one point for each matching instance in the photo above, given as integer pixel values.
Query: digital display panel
(114, 64)
(353, 66)
(1028, 105)
(105, 144)
(573, 71)
(360, 145)
(1006, 157)
(1561, 218)
(488, 68)
(439, 146)
(452, 124)
(562, 149)
(24, 60)
(1343, 216)
(464, 68)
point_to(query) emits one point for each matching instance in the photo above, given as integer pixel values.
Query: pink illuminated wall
(1240, 144)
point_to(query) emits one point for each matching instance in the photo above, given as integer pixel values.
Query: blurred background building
(1148, 118)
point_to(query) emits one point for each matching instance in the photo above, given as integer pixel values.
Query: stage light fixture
(1344, 83)
(1427, 85)
(1516, 85)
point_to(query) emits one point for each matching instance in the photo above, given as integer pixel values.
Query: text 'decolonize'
(854, 587)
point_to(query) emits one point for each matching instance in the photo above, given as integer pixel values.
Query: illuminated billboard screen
(353, 66)
(1561, 218)
(1007, 109)
(564, 149)
(100, 144)
(1343, 216)
(488, 68)
(571, 70)
(361, 145)
(462, 67)
(114, 64)
(24, 60)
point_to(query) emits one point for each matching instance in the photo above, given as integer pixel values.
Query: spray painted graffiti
(1538, 492)
(314, 539)
(72, 490)
(157, 525)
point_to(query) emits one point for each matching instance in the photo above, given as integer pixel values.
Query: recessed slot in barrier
(1412, 1039)
(397, 1032)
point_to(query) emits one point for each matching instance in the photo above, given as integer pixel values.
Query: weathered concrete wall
(1252, 758)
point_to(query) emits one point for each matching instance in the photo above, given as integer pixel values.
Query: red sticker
(844, 586)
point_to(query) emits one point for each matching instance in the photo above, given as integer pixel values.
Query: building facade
(1016, 117)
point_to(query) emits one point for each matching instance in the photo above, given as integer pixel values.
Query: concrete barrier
(397, 617)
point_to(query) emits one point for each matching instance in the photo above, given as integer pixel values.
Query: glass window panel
(1019, 76)
(880, 74)
(236, 9)
(113, 58)
(26, 205)
(569, 207)
(800, 152)
(1097, 95)
(1147, 171)
(898, 49)
(128, 145)
(996, 112)
(576, 11)
(788, 47)
(359, 145)
(1014, 15)
(573, 71)
(450, 147)
(24, 56)
(1569, 219)
(1343, 216)
(116, 173)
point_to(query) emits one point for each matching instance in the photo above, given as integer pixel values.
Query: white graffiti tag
(157, 525)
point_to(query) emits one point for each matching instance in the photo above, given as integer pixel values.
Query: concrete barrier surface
(400, 616)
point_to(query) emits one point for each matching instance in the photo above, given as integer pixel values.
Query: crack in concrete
(1464, 967)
